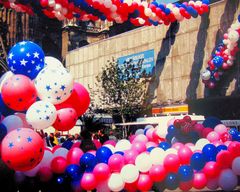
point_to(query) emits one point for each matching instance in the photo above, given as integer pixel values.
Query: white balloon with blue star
(26, 58)
(52, 62)
(54, 85)
(41, 114)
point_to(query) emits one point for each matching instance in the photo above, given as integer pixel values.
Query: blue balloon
(218, 61)
(238, 18)
(171, 129)
(60, 180)
(26, 58)
(192, 11)
(5, 111)
(221, 147)
(74, 172)
(155, 3)
(205, 2)
(171, 181)
(103, 154)
(167, 11)
(161, 6)
(197, 161)
(149, 149)
(194, 136)
(67, 144)
(119, 152)
(185, 173)
(211, 122)
(3, 131)
(169, 138)
(88, 161)
(164, 145)
(210, 152)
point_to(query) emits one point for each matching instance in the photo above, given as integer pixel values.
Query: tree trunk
(124, 127)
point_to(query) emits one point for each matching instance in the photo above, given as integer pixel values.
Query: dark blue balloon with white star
(26, 58)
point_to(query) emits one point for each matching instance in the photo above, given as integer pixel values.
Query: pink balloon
(205, 132)
(103, 186)
(59, 164)
(22, 149)
(171, 163)
(79, 99)
(110, 142)
(140, 138)
(189, 145)
(131, 138)
(212, 184)
(45, 174)
(149, 134)
(213, 136)
(177, 146)
(185, 154)
(116, 162)
(220, 129)
(88, 181)
(144, 182)
(66, 119)
(199, 180)
(101, 172)
(139, 147)
(151, 144)
(211, 169)
(74, 155)
(157, 173)
(130, 156)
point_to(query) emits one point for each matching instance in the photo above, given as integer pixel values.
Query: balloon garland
(139, 13)
(223, 57)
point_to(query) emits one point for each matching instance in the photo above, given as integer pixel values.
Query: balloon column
(223, 57)
(138, 12)
(36, 94)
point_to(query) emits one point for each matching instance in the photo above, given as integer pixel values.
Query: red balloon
(224, 159)
(74, 155)
(144, 182)
(66, 119)
(22, 149)
(79, 100)
(88, 181)
(171, 163)
(45, 174)
(131, 187)
(19, 93)
(186, 186)
(157, 173)
(234, 148)
(44, 3)
(101, 171)
(211, 169)
(59, 164)
(199, 180)
(185, 154)
(205, 131)
(116, 162)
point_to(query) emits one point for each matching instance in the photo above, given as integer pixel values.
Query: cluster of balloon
(223, 57)
(183, 130)
(144, 163)
(139, 12)
(37, 92)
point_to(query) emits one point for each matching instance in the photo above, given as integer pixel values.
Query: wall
(181, 52)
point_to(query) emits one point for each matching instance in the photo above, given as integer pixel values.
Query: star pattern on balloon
(11, 145)
(29, 139)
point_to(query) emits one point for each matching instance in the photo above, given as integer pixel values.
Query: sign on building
(146, 58)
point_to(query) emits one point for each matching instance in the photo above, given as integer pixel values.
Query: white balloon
(123, 145)
(112, 148)
(61, 152)
(201, 143)
(115, 182)
(5, 77)
(171, 151)
(41, 114)
(47, 159)
(157, 156)
(54, 85)
(52, 62)
(233, 36)
(143, 162)
(139, 132)
(205, 75)
(129, 173)
(12, 122)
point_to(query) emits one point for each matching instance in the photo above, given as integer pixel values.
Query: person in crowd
(87, 143)
(112, 136)
(48, 144)
(102, 136)
(51, 139)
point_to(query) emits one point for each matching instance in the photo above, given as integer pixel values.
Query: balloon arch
(39, 92)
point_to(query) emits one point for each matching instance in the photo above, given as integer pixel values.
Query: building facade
(181, 51)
